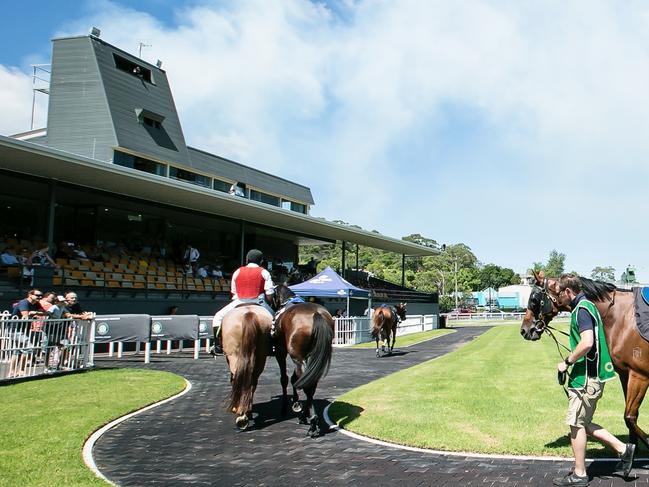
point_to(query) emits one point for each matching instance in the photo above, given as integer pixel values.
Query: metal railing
(33, 347)
(358, 329)
(494, 316)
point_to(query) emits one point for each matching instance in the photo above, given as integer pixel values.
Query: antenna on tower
(140, 46)
(41, 83)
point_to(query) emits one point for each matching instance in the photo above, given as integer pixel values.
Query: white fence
(40, 346)
(495, 316)
(358, 329)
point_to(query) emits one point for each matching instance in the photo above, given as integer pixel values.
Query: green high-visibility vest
(580, 368)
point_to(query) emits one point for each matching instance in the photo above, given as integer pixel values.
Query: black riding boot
(216, 348)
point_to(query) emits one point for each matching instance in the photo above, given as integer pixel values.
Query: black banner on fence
(205, 326)
(122, 328)
(174, 327)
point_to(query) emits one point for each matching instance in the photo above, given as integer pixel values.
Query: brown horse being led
(303, 331)
(629, 351)
(246, 343)
(384, 324)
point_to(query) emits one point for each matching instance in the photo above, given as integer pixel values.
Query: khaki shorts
(582, 403)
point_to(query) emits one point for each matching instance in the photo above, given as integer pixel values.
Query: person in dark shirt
(28, 307)
(73, 308)
(591, 368)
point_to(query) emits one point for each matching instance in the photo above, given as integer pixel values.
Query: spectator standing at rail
(28, 308)
(250, 284)
(73, 308)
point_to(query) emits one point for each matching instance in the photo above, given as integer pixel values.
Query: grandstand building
(112, 177)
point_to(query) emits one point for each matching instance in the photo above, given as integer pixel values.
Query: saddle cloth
(641, 300)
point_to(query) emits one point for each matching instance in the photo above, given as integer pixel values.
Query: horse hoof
(378, 354)
(242, 423)
(297, 407)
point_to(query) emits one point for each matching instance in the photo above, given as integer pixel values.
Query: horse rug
(641, 300)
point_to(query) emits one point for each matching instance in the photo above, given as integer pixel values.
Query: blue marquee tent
(328, 284)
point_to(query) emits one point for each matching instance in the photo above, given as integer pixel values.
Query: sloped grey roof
(46, 162)
(233, 171)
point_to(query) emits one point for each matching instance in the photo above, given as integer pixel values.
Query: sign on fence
(122, 328)
(174, 327)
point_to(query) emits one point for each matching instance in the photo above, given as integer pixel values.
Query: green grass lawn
(46, 422)
(407, 340)
(497, 394)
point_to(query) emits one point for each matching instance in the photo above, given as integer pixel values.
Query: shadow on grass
(343, 413)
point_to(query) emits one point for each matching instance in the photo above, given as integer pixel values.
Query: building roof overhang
(38, 160)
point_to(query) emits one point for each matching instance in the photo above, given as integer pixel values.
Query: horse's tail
(319, 359)
(242, 380)
(378, 320)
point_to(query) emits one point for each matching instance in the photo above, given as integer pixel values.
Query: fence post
(91, 344)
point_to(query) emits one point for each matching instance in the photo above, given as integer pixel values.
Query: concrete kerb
(90, 442)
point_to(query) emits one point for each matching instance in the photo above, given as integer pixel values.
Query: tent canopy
(329, 284)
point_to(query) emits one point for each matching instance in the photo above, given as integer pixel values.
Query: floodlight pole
(455, 262)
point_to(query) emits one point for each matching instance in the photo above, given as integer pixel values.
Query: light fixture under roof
(95, 32)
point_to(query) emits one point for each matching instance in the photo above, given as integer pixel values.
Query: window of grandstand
(222, 185)
(298, 207)
(139, 163)
(190, 177)
(132, 68)
(264, 198)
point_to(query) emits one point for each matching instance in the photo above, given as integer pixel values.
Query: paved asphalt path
(192, 441)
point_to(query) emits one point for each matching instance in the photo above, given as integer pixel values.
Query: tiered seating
(119, 272)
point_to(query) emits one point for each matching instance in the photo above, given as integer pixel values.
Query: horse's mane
(284, 293)
(596, 290)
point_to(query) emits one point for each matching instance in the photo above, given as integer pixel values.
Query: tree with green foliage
(555, 266)
(606, 274)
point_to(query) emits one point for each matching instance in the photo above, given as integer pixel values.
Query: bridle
(546, 306)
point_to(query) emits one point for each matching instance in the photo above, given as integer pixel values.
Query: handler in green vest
(591, 368)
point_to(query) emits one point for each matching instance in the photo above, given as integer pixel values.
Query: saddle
(641, 304)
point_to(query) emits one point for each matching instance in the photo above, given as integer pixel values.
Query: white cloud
(420, 116)
(16, 102)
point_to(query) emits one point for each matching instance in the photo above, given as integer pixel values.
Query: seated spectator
(173, 310)
(201, 272)
(79, 253)
(217, 272)
(8, 257)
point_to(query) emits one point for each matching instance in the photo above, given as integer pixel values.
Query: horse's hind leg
(377, 347)
(306, 418)
(297, 407)
(636, 388)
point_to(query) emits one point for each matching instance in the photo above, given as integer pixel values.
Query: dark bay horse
(629, 351)
(245, 333)
(305, 332)
(384, 324)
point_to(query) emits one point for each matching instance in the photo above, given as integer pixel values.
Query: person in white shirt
(191, 258)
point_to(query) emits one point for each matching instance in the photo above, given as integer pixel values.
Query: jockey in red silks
(250, 284)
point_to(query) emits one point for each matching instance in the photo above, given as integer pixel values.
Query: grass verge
(411, 339)
(46, 422)
(497, 394)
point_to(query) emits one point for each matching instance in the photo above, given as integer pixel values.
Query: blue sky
(504, 126)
